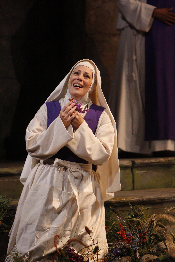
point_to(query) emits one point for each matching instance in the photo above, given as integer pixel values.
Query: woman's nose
(80, 76)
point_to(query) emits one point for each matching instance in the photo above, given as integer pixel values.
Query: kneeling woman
(71, 169)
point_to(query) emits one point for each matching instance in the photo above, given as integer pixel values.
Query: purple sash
(91, 118)
(160, 78)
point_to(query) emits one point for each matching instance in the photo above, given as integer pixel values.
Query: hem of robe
(149, 147)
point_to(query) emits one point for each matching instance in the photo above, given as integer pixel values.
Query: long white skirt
(59, 199)
(127, 96)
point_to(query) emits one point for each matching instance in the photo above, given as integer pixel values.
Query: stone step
(136, 174)
(147, 173)
(157, 199)
(10, 185)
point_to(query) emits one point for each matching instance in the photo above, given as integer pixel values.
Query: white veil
(109, 172)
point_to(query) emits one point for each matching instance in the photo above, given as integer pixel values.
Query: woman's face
(80, 81)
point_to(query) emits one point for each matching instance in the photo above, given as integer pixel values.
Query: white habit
(127, 94)
(61, 197)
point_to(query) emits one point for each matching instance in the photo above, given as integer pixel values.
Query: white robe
(63, 197)
(127, 94)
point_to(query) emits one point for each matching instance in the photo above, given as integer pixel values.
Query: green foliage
(130, 234)
(136, 232)
(6, 215)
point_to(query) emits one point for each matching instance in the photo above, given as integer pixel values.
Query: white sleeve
(43, 142)
(97, 148)
(136, 14)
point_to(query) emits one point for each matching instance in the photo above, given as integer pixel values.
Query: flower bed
(138, 235)
(6, 219)
(132, 236)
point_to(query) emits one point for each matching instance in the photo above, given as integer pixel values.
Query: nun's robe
(61, 198)
(127, 94)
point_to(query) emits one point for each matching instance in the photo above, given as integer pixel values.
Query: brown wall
(13, 14)
(101, 19)
(39, 42)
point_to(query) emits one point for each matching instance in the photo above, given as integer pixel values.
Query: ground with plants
(133, 235)
(138, 235)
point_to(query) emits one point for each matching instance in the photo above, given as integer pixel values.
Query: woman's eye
(87, 76)
(75, 73)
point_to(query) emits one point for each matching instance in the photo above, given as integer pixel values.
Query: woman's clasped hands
(69, 115)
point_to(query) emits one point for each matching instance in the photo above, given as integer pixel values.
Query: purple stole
(91, 118)
(160, 78)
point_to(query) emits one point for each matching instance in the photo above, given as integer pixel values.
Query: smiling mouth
(77, 85)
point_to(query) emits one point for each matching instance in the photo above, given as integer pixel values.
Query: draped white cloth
(127, 94)
(61, 197)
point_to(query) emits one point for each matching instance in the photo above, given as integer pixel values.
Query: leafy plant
(131, 234)
(136, 233)
(6, 215)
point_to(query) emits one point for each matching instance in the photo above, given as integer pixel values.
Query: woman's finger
(67, 106)
(72, 110)
(70, 107)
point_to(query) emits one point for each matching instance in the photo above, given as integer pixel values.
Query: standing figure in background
(71, 169)
(127, 99)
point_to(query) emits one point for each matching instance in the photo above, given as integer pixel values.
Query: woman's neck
(84, 100)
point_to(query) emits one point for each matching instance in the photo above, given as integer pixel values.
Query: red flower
(122, 234)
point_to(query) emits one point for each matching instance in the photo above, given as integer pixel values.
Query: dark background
(39, 43)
